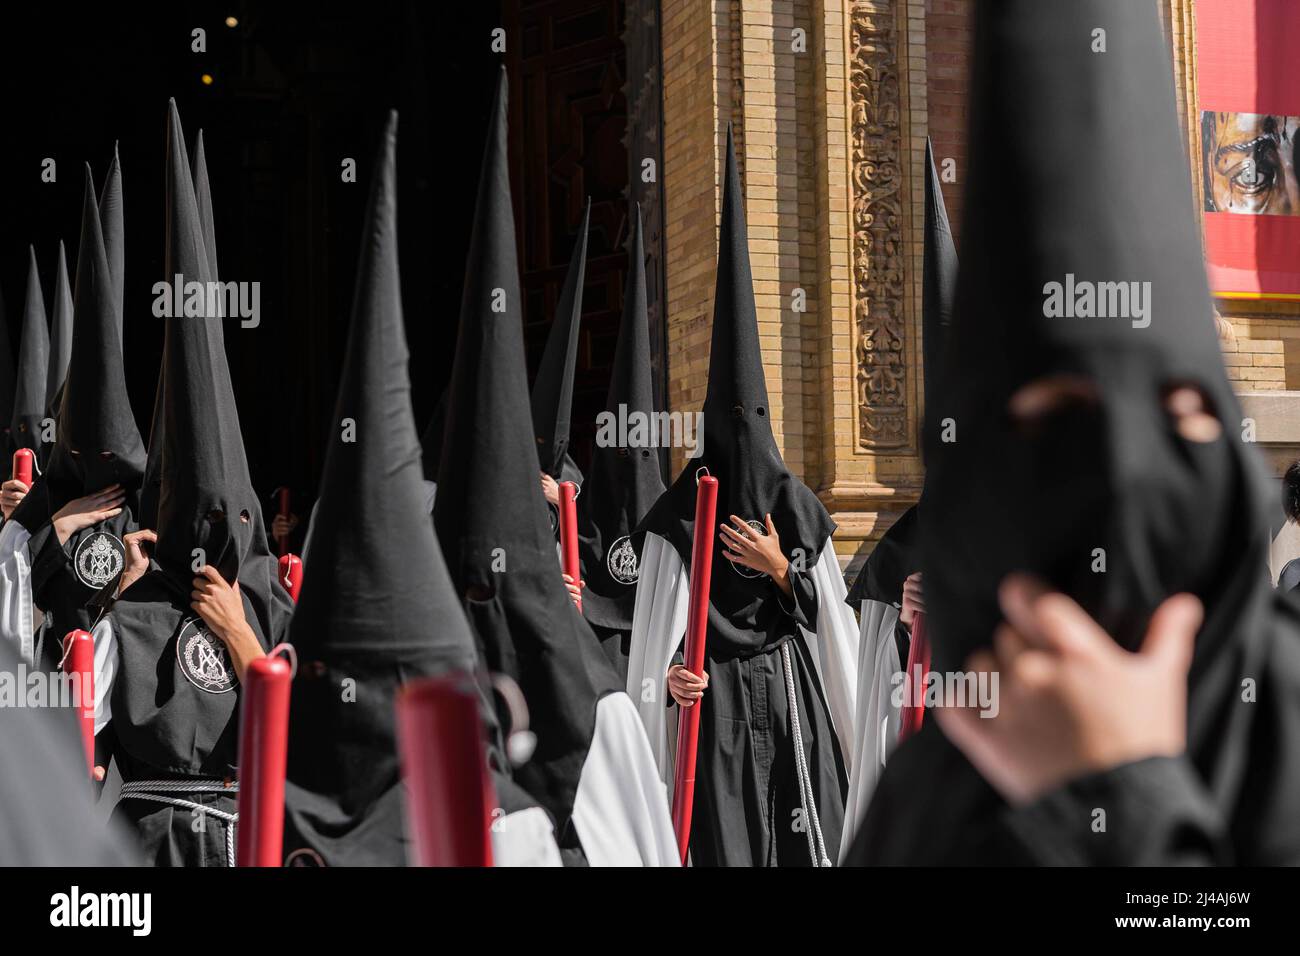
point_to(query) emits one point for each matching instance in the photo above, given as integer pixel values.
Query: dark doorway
(293, 91)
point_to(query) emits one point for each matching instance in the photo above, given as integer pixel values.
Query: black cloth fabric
(1171, 515)
(33, 361)
(152, 486)
(745, 765)
(552, 395)
(176, 697)
(739, 450)
(748, 810)
(98, 445)
(173, 836)
(490, 516)
(49, 816)
(377, 608)
(1157, 813)
(625, 479)
(60, 335)
(431, 439)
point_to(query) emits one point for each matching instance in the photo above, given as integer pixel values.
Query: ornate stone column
(828, 102)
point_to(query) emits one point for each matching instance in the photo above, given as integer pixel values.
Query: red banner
(1249, 93)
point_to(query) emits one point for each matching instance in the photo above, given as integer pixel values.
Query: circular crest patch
(740, 569)
(99, 559)
(622, 562)
(203, 658)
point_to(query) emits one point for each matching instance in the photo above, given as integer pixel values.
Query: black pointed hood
(431, 439)
(625, 479)
(112, 224)
(60, 335)
(1106, 475)
(153, 467)
(8, 380)
(739, 450)
(552, 398)
(98, 444)
(33, 365)
(378, 607)
(898, 552)
(203, 195)
(205, 488)
(490, 514)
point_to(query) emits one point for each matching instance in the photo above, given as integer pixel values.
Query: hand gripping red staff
(23, 458)
(449, 795)
(291, 574)
(569, 533)
(263, 752)
(918, 665)
(697, 622)
(79, 663)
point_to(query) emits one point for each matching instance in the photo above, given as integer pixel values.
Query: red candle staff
(569, 533)
(291, 574)
(79, 663)
(697, 622)
(23, 459)
(263, 752)
(918, 665)
(449, 795)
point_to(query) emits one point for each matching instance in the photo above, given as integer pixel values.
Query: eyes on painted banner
(1249, 163)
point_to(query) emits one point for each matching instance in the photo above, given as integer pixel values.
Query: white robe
(879, 716)
(659, 623)
(17, 610)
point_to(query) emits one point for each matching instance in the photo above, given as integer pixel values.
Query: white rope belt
(155, 789)
(806, 796)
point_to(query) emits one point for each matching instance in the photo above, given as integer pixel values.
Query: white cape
(17, 612)
(879, 716)
(659, 623)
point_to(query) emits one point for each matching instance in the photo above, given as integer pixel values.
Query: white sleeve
(658, 624)
(524, 838)
(834, 650)
(878, 712)
(17, 620)
(621, 809)
(105, 639)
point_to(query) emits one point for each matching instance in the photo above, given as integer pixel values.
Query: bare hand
(222, 609)
(754, 549)
(575, 590)
(80, 513)
(550, 489)
(913, 599)
(12, 492)
(282, 526)
(1071, 700)
(137, 562)
(685, 687)
(217, 602)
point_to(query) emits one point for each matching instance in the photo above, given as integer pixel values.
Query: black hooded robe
(625, 476)
(1170, 514)
(759, 760)
(98, 446)
(172, 694)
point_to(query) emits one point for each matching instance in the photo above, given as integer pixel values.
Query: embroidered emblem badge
(203, 658)
(622, 562)
(99, 559)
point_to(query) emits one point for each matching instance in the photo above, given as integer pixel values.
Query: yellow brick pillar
(828, 104)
